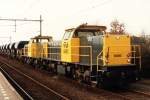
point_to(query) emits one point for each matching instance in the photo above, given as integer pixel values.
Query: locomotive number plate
(117, 55)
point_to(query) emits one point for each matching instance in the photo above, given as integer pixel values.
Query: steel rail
(37, 82)
(140, 92)
(16, 84)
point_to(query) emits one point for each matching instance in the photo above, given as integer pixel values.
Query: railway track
(132, 94)
(141, 88)
(99, 94)
(128, 95)
(21, 91)
(145, 81)
(140, 92)
(106, 94)
(52, 94)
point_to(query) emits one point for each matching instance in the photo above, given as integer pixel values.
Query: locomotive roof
(43, 37)
(89, 27)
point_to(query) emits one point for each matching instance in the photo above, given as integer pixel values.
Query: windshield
(67, 35)
(88, 33)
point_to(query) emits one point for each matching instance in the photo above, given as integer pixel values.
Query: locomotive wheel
(42, 65)
(103, 83)
(86, 76)
(49, 67)
(72, 72)
(109, 83)
(122, 83)
(87, 80)
(35, 63)
(77, 74)
(67, 71)
(54, 68)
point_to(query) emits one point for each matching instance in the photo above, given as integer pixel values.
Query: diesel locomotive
(86, 53)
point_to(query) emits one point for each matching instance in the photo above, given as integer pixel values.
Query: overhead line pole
(40, 25)
(15, 20)
(15, 26)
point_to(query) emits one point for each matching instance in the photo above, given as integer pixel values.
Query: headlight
(129, 60)
(106, 61)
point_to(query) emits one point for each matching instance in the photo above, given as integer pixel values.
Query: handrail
(133, 55)
(74, 54)
(99, 58)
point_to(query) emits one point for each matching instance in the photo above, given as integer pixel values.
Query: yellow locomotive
(88, 53)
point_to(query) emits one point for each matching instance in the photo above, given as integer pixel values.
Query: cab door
(70, 48)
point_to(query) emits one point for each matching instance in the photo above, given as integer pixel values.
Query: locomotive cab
(73, 44)
(35, 46)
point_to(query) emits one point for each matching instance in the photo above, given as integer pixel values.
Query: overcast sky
(61, 14)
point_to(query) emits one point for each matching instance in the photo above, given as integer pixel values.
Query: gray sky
(61, 14)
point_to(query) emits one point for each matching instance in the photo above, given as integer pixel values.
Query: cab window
(67, 35)
(99, 33)
(88, 33)
(85, 34)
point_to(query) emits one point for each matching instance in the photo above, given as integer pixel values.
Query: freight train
(86, 53)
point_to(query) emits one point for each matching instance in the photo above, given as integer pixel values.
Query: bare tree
(117, 27)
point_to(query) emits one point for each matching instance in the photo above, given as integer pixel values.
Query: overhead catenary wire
(23, 24)
(91, 7)
(31, 5)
